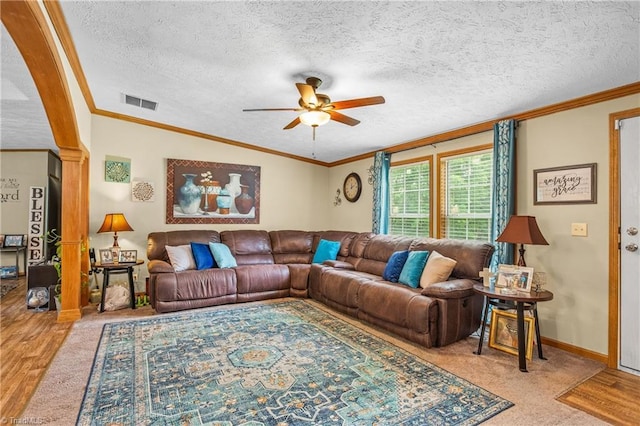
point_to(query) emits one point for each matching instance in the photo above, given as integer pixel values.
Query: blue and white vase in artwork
(190, 195)
(224, 201)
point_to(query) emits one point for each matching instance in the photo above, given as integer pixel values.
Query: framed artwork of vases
(207, 192)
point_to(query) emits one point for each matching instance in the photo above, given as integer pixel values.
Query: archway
(27, 25)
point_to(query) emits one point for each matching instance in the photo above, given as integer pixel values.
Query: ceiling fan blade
(354, 103)
(293, 124)
(273, 109)
(343, 118)
(308, 94)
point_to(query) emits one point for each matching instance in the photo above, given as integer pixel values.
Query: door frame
(614, 233)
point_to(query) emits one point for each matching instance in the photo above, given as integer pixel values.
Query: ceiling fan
(318, 108)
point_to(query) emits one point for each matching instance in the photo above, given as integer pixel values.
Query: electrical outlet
(579, 229)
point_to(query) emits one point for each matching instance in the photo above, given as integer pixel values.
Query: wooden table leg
(522, 356)
(483, 325)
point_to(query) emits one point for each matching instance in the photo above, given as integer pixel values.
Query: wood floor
(611, 395)
(29, 341)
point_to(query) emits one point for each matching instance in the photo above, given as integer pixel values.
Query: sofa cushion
(394, 266)
(395, 303)
(413, 267)
(343, 237)
(471, 256)
(290, 246)
(181, 257)
(202, 255)
(378, 251)
(222, 255)
(157, 241)
(195, 285)
(249, 246)
(327, 250)
(262, 278)
(437, 269)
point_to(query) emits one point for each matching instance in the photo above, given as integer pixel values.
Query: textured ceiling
(439, 65)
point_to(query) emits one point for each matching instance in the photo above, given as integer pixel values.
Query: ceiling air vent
(141, 103)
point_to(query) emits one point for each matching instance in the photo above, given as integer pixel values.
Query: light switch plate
(579, 229)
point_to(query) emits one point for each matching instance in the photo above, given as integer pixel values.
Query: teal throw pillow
(413, 267)
(394, 266)
(202, 256)
(222, 255)
(326, 250)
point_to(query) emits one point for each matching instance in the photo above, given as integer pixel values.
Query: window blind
(410, 199)
(466, 187)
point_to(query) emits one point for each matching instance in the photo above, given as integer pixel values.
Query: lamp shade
(315, 118)
(115, 222)
(522, 230)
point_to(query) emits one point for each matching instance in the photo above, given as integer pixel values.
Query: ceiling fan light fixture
(315, 118)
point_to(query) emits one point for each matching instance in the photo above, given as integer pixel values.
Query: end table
(523, 301)
(117, 268)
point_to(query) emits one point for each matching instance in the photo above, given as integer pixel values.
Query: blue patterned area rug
(286, 363)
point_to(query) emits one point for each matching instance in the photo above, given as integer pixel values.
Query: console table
(117, 268)
(17, 250)
(523, 301)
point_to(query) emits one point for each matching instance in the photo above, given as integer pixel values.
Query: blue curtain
(381, 164)
(504, 178)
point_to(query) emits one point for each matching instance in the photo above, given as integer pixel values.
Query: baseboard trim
(596, 356)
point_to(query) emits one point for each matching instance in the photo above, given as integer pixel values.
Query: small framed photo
(516, 277)
(503, 334)
(13, 241)
(128, 256)
(105, 256)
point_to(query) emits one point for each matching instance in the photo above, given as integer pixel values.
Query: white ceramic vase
(234, 188)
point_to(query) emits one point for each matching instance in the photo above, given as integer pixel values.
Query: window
(465, 194)
(410, 192)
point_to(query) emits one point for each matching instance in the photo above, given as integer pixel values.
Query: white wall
(83, 115)
(351, 216)
(293, 193)
(24, 169)
(19, 170)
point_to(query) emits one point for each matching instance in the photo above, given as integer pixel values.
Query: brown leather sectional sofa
(278, 264)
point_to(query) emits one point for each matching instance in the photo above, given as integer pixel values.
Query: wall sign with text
(565, 185)
(37, 213)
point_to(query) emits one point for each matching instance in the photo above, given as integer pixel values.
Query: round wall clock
(352, 187)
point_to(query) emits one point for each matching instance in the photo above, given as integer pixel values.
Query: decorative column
(72, 233)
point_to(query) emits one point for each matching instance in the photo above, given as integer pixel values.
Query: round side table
(523, 301)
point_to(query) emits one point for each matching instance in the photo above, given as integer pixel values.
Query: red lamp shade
(114, 222)
(522, 230)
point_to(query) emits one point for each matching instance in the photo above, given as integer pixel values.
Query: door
(629, 242)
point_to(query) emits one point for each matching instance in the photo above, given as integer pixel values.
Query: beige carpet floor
(59, 396)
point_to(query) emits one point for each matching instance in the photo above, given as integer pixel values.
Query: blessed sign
(35, 242)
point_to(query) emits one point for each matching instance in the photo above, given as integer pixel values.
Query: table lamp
(522, 230)
(114, 222)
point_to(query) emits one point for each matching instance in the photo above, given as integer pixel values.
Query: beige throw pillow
(181, 257)
(437, 269)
